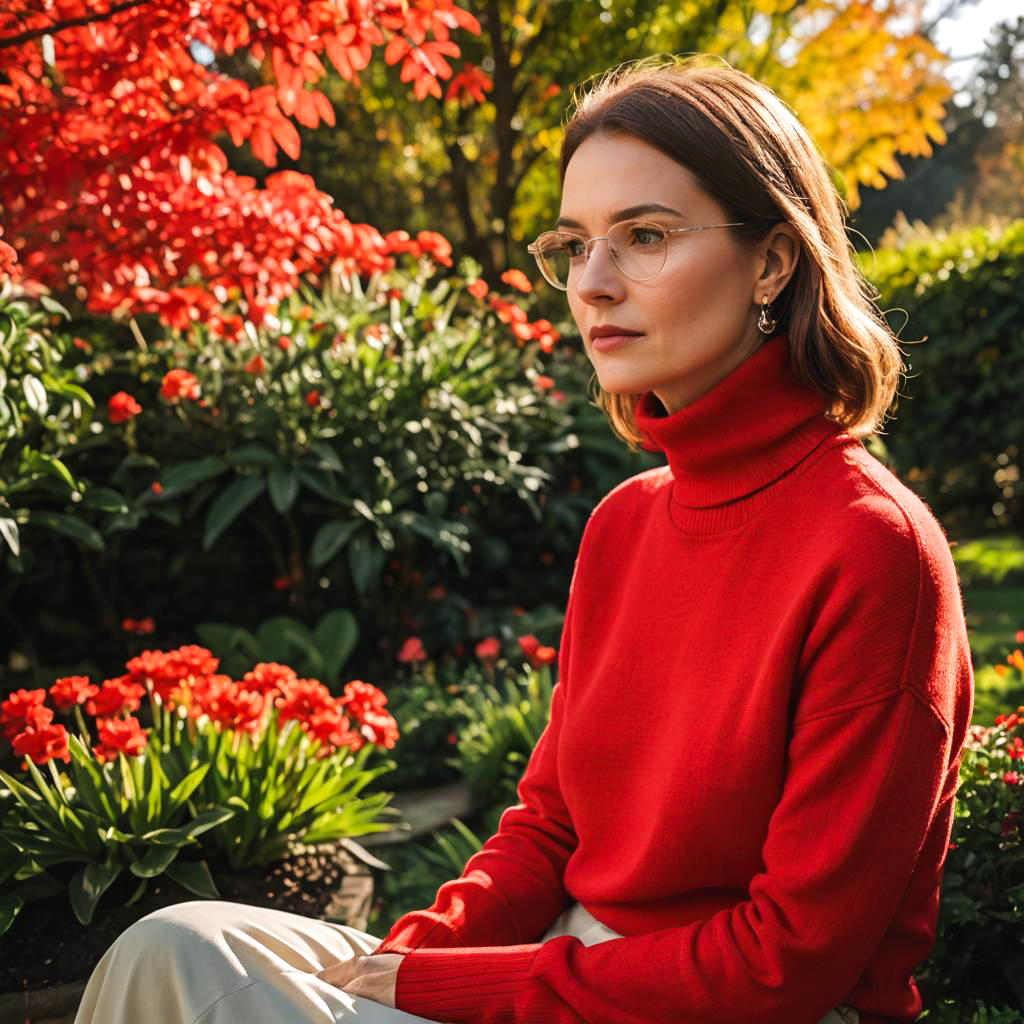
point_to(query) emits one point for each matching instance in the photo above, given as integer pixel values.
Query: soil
(46, 945)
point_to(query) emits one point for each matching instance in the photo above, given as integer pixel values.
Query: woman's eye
(574, 247)
(646, 236)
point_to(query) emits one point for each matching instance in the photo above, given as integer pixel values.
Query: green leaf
(335, 637)
(184, 789)
(70, 527)
(9, 907)
(283, 485)
(51, 305)
(155, 860)
(253, 454)
(88, 885)
(365, 561)
(194, 876)
(185, 475)
(202, 822)
(330, 537)
(229, 504)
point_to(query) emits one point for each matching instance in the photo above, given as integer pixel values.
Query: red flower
(138, 625)
(179, 384)
(268, 677)
(255, 365)
(544, 383)
(358, 698)
(231, 706)
(412, 650)
(545, 655)
(156, 487)
(72, 690)
(529, 644)
(381, 727)
(330, 728)
(17, 708)
(313, 399)
(517, 279)
(284, 343)
(43, 742)
(478, 288)
(120, 734)
(488, 649)
(121, 407)
(114, 696)
(301, 698)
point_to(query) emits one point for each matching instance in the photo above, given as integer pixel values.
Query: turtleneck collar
(751, 428)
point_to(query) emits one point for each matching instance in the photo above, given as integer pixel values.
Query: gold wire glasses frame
(653, 255)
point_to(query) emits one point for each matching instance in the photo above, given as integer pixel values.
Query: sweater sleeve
(871, 773)
(511, 889)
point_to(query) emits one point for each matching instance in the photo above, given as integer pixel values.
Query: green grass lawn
(991, 571)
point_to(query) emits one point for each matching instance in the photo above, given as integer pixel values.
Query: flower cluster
(187, 680)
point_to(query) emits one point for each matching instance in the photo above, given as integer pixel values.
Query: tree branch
(86, 19)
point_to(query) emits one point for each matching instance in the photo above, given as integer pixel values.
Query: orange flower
(284, 343)
(121, 407)
(179, 384)
(517, 279)
(478, 288)
(544, 382)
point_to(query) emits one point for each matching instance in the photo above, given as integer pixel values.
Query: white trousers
(215, 962)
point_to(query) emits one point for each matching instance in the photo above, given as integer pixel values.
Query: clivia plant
(236, 771)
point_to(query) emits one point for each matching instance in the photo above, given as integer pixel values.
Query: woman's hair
(750, 152)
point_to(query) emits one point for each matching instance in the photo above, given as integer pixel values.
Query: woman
(740, 808)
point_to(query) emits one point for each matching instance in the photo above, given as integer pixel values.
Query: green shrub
(959, 421)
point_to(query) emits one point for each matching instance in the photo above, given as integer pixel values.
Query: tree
(113, 181)
(482, 157)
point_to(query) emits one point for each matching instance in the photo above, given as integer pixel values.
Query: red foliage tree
(112, 184)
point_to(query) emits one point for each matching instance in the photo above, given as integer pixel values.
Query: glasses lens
(636, 248)
(557, 252)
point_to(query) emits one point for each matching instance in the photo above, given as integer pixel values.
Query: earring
(765, 323)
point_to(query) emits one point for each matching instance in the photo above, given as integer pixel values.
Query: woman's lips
(610, 341)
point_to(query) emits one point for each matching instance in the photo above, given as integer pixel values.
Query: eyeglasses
(637, 248)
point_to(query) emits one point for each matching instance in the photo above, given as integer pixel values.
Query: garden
(289, 502)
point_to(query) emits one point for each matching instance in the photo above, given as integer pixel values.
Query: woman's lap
(214, 962)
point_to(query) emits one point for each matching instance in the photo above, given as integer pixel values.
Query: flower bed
(221, 793)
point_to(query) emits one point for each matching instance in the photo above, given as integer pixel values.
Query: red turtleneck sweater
(750, 765)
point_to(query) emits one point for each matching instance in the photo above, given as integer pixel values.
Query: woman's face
(698, 316)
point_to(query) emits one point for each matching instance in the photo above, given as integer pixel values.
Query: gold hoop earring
(766, 324)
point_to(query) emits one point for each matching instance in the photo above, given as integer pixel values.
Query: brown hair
(750, 152)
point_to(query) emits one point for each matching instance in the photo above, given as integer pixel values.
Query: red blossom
(121, 407)
(17, 708)
(179, 384)
(115, 696)
(230, 706)
(42, 743)
(71, 690)
(478, 288)
(120, 735)
(488, 649)
(268, 677)
(412, 650)
(300, 698)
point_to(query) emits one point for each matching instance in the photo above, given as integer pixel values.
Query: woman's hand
(374, 976)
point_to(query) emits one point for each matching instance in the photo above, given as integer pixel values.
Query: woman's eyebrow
(626, 214)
